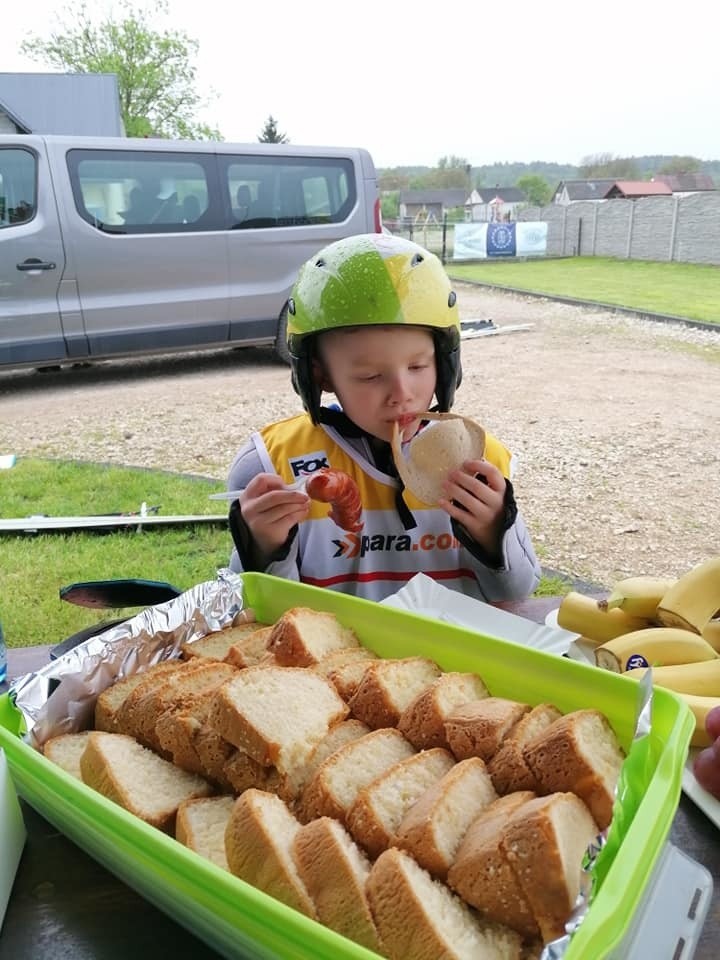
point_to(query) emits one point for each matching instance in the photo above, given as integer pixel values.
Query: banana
(700, 706)
(701, 679)
(711, 633)
(654, 646)
(637, 596)
(693, 599)
(581, 614)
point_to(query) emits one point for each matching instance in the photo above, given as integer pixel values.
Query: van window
(130, 192)
(18, 176)
(287, 192)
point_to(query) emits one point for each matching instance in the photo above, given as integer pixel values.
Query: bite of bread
(404, 807)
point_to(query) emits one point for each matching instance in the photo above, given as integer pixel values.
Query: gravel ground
(615, 422)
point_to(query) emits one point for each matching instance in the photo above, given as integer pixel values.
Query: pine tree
(270, 133)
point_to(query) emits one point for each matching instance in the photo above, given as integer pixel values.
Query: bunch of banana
(693, 599)
(654, 647)
(637, 596)
(672, 626)
(585, 615)
(698, 684)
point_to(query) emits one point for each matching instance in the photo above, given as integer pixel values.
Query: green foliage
(270, 133)
(390, 205)
(156, 77)
(605, 165)
(675, 289)
(36, 566)
(536, 189)
(680, 165)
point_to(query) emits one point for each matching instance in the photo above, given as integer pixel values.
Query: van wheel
(281, 347)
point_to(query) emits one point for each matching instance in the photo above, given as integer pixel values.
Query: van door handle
(32, 263)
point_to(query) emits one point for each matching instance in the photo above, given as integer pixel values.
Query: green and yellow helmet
(367, 279)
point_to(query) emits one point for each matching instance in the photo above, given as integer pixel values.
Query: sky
(416, 82)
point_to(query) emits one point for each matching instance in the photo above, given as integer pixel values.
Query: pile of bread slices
(402, 806)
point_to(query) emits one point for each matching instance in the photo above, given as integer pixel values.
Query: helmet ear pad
(449, 369)
(307, 377)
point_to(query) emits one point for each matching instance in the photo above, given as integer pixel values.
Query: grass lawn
(676, 289)
(35, 566)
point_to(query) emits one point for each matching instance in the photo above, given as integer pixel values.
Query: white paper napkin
(424, 595)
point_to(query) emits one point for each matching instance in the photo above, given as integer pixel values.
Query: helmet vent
(452, 298)
(417, 258)
(320, 262)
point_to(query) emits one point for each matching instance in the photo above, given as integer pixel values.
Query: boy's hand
(271, 510)
(475, 497)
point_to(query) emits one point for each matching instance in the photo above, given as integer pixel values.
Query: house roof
(506, 194)
(638, 188)
(584, 189)
(81, 104)
(686, 182)
(448, 198)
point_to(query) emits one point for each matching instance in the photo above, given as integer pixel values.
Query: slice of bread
(337, 781)
(201, 825)
(378, 809)
(433, 828)
(293, 783)
(66, 749)
(179, 689)
(481, 873)
(124, 771)
(302, 637)
(545, 844)
(347, 677)
(419, 917)
(215, 645)
(388, 686)
(334, 870)
(338, 658)
(276, 714)
(508, 768)
(579, 753)
(127, 714)
(477, 729)
(422, 722)
(250, 648)
(177, 729)
(109, 703)
(242, 773)
(258, 843)
(213, 752)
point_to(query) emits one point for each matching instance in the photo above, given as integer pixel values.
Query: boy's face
(380, 374)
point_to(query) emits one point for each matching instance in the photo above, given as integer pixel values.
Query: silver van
(116, 247)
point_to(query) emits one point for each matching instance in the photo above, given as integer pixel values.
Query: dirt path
(615, 423)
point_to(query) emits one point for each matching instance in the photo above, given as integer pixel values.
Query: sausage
(339, 489)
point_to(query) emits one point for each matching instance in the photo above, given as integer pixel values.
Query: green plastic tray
(239, 921)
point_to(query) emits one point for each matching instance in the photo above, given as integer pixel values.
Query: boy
(373, 319)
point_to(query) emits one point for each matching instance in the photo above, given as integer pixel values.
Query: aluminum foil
(60, 698)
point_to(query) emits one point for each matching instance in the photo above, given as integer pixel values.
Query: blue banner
(501, 240)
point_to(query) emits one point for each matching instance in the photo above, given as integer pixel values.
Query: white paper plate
(423, 595)
(707, 803)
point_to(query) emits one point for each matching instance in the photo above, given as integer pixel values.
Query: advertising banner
(477, 241)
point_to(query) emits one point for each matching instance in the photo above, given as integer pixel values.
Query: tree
(155, 75)
(536, 189)
(679, 165)
(270, 132)
(605, 166)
